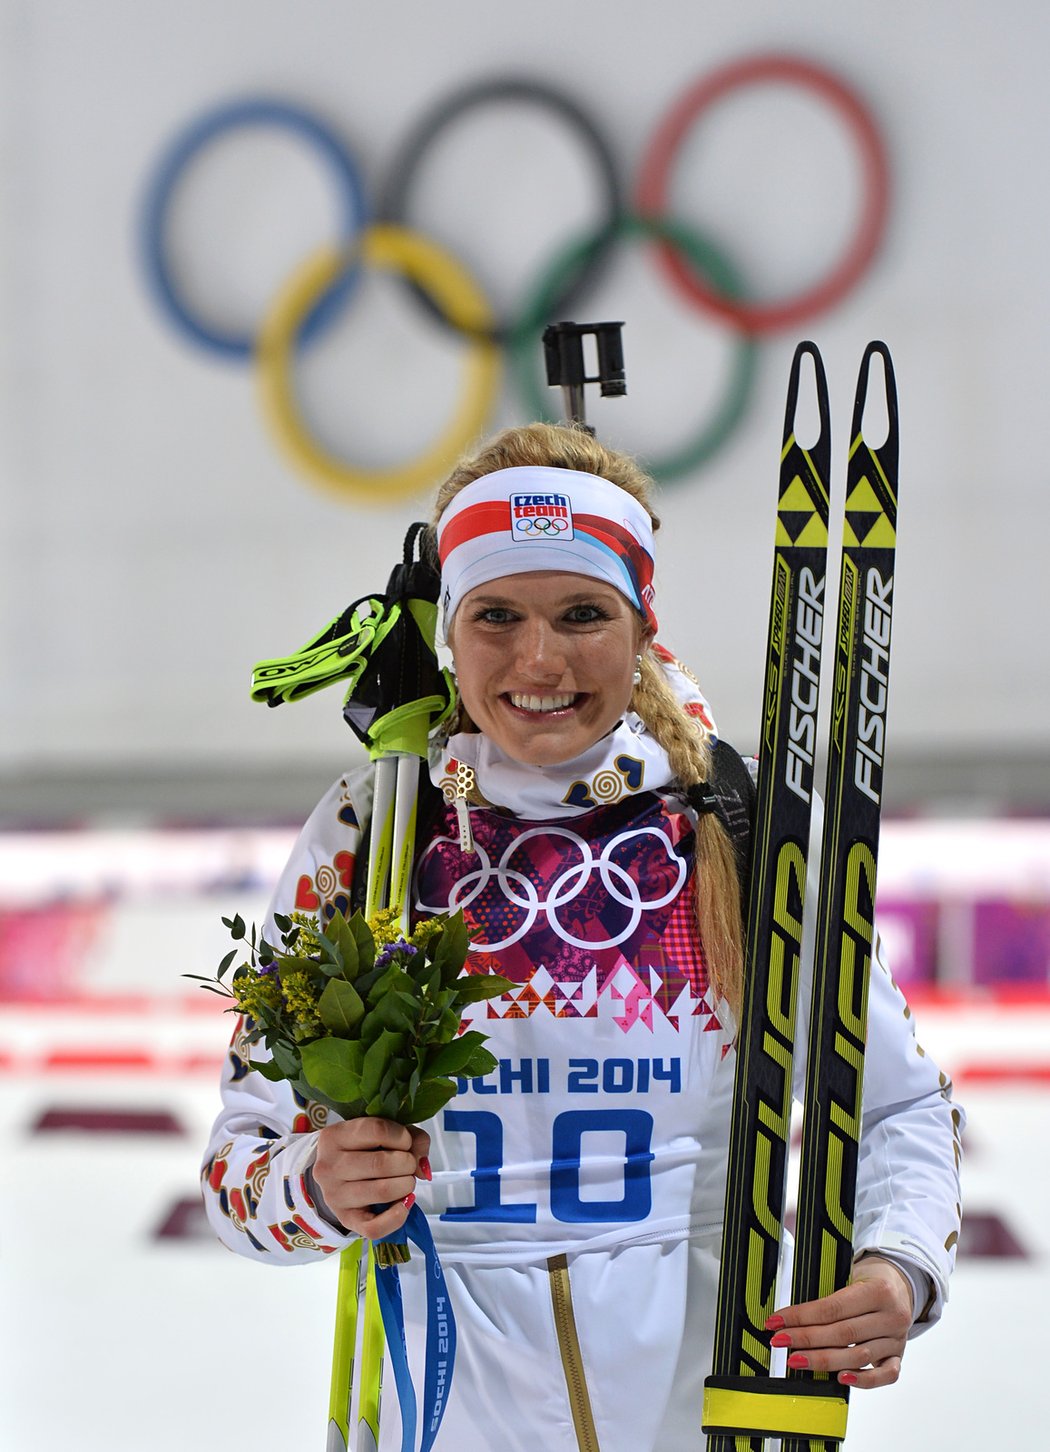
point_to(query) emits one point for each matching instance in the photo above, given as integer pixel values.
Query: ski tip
(885, 404)
(821, 445)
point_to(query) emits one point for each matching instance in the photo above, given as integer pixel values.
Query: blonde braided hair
(716, 881)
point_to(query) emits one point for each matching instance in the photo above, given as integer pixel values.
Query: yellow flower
(425, 930)
(385, 926)
(308, 941)
(300, 999)
(253, 990)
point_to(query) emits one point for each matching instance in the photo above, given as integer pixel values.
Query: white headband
(514, 521)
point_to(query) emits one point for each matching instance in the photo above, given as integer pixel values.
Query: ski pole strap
(768, 1406)
(441, 1335)
(341, 652)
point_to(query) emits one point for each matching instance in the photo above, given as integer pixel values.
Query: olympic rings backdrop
(374, 234)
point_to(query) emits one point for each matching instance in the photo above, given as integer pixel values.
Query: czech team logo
(540, 516)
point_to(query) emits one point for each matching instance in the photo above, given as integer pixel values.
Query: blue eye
(586, 614)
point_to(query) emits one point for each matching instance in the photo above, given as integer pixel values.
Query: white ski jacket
(578, 1190)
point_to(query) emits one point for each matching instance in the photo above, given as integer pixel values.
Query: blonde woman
(576, 1193)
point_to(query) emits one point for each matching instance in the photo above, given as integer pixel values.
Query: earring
(636, 679)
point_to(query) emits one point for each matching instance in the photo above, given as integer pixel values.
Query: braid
(717, 884)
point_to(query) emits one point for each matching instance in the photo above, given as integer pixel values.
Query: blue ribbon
(441, 1335)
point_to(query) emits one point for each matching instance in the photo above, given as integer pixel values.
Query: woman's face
(545, 662)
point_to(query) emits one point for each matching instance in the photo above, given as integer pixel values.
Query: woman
(576, 1193)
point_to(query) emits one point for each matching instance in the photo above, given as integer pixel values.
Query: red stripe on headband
(638, 560)
(488, 517)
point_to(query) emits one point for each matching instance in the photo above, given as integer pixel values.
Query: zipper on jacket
(571, 1356)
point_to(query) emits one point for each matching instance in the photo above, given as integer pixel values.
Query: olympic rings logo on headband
(376, 236)
(541, 526)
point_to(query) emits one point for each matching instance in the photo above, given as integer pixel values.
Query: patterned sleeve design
(264, 1139)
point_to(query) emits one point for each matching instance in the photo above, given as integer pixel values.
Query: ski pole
(393, 705)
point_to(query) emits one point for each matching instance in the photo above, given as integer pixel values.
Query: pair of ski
(742, 1403)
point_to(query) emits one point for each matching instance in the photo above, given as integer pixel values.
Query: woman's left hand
(865, 1325)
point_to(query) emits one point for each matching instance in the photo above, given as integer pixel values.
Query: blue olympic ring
(186, 147)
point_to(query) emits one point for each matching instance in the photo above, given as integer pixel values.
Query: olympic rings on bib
(705, 257)
(425, 264)
(185, 149)
(699, 271)
(505, 89)
(661, 153)
(518, 888)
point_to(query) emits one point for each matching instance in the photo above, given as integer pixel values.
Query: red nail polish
(798, 1362)
(409, 1201)
(424, 1168)
(782, 1338)
(774, 1323)
(848, 1377)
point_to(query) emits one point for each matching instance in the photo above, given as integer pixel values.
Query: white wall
(153, 544)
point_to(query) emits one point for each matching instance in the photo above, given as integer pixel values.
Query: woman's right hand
(366, 1162)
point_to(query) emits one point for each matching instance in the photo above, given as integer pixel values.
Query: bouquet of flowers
(359, 1017)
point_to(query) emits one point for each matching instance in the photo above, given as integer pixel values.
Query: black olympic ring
(394, 204)
(700, 272)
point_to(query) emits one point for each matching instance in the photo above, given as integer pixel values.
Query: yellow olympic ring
(399, 250)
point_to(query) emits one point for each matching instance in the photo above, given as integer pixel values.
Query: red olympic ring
(660, 155)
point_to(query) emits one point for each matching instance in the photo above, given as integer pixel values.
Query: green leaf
(331, 957)
(473, 987)
(286, 1059)
(447, 1026)
(237, 928)
(384, 983)
(480, 1063)
(338, 931)
(224, 965)
(395, 1011)
(433, 1095)
(452, 947)
(269, 1070)
(334, 1067)
(451, 1058)
(282, 923)
(366, 947)
(340, 1007)
(288, 963)
(377, 1058)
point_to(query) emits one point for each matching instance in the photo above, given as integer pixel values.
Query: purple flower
(387, 955)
